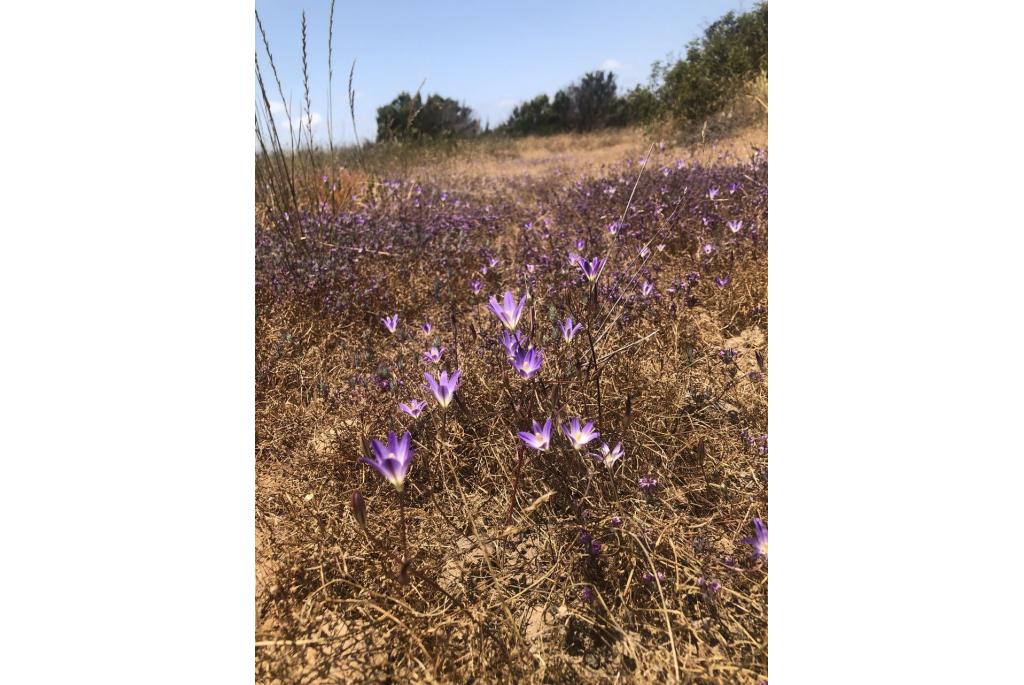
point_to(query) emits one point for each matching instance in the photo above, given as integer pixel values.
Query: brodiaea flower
(390, 322)
(392, 460)
(607, 455)
(477, 286)
(648, 577)
(511, 342)
(579, 437)
(709, 588)
(433, 354)
(427, 328)
(708, 248)
(712, 193)
(569, 331)
(721, 281)
(614, 227)
(644, 251)
(591, 269)
(734, 226)
(444, 387)
(760, 540)
(646, 289)
(647, 484)
(540, 438)
(413, 407)
(527, 361)
(508, 311)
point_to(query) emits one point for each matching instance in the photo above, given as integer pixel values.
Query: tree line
(716, 66)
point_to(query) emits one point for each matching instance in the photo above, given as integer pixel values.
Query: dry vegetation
(504, 583)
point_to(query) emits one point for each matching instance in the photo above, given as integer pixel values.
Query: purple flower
(646, 289)
(647, 484)
(712, 192)
(391, 322)
(591, 269)
(708, 248)
(614, 227)
(595, 548)
(727, 355)
(734, 226)
(413, 407)
(580, 244)
(721, 281)
(508, 311)
(709, 588)
(433, 355)
(492, 262)
(444, 387)
(760, 540)
(579, 437)
(649, 577)
(616, 521)
(527, 361)
(569, 331)
(511, 342)
(540, 438)
(644, 251)
(392, 460)
(660, 247)
(607, 455)
(426, 328)
(587, 595)
(476, 285)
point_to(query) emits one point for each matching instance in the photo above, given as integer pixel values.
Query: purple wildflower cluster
(525, 358)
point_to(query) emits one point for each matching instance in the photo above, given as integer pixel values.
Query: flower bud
(359, 509)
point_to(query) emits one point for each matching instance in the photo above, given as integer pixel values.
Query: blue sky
(489, 55)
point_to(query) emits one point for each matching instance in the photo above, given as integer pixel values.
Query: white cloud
(611, 64)
(300, 120)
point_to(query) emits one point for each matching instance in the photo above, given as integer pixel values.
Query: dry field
(498, 562)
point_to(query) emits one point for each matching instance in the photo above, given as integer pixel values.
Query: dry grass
(565, 154)
(483, 601)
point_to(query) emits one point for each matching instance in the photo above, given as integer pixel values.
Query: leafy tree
(409, 117)
(593, 101)
(733, 50)
(536, 116)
